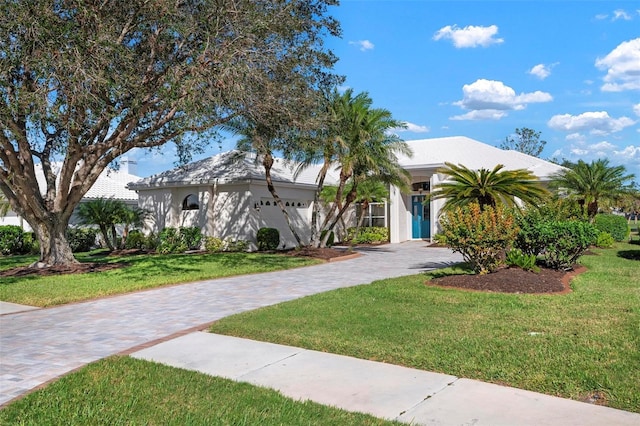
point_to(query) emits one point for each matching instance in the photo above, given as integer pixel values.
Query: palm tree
(104, 212)
(487, 187)
(131, 217)
(360, 145)
(264, 139)
(590, 184)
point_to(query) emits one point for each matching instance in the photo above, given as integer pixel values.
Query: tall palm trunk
(267, 162)
(315, 213)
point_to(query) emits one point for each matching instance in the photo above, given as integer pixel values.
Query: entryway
(420, 214)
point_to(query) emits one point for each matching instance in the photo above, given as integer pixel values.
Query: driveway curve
(39, 345)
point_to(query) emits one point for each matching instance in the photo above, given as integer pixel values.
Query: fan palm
(592, 183)
(487, 187)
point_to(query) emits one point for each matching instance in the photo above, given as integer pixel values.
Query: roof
(229, 167)
(110, 184)
(473, 154)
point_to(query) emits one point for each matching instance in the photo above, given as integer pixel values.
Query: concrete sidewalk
(383, 390)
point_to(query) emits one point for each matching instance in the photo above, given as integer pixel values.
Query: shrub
(135, 240)
(236, 245)
(12, 240)
(368, 235)
(170, 241)
(481, 236)
(531, 239)
(615, 225)
(214, 244)
(605, 240)
(268, 239)
(191, 237)
(566, 241)
(82, 238)
(516, 258)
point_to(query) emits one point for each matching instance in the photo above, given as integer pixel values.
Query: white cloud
(364, 45)
(488, 99)
(597, 123)
(469, 36)
(623, 67)
(636, 109)
(602, 146)
(578, 151)
(629, 152)
(415, 128)
(575, 137)
(542, 71)
(620, 14)
(601, 16)
(484, 114)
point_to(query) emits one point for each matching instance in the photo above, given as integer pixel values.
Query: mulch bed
(512, 280)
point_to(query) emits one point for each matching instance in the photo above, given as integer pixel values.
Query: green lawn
(123, 390)
(573, 345)
(142, 272)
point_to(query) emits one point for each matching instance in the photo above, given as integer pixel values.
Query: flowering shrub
(481, 236)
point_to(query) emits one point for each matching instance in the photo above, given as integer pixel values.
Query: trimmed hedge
(268, 239)
(615, 225)
(368, 235)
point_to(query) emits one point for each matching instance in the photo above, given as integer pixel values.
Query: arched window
(190, 202)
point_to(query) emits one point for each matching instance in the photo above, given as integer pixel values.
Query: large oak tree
(83, 82)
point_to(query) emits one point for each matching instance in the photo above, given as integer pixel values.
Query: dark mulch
(512, 280)
(326, 253)
(78, 268)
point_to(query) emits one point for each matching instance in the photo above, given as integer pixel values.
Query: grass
(142, 272)
(123, 390)
(574, 345)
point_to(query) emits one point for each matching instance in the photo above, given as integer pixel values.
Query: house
(110, 184)
(227, 197)
(409, 218)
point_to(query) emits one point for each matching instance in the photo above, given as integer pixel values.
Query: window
(190, 202)
(374, 215)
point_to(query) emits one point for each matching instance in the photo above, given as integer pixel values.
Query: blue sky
(569, 69)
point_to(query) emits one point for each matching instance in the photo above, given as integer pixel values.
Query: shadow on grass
(430, 266)
(451, 269)
(630, 254)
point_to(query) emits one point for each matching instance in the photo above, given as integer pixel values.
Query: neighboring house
(227, 197)
(110, 184)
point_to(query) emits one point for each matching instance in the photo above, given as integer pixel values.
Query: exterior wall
(231, 211)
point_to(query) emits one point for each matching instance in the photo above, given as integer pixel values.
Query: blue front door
(420, 225)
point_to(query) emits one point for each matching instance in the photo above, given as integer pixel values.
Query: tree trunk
(315, 214)
(351, 196)
(267, 162)
(54, 247)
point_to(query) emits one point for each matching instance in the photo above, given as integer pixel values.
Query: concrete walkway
(39, 345)
(383, 390)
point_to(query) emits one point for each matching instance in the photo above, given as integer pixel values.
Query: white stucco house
(110, 184)
(226, 195)
(409, 218)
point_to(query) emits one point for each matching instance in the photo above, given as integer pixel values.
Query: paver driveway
(37, 346)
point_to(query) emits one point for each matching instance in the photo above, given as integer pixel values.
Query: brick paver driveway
(40, 345)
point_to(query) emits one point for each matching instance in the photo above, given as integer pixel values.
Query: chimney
(129, 165)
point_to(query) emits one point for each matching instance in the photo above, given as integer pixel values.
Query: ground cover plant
(133, 272)
(123, 390)
(581, 345)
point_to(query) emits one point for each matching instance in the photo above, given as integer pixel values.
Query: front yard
(583, 345)
(140, 272)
